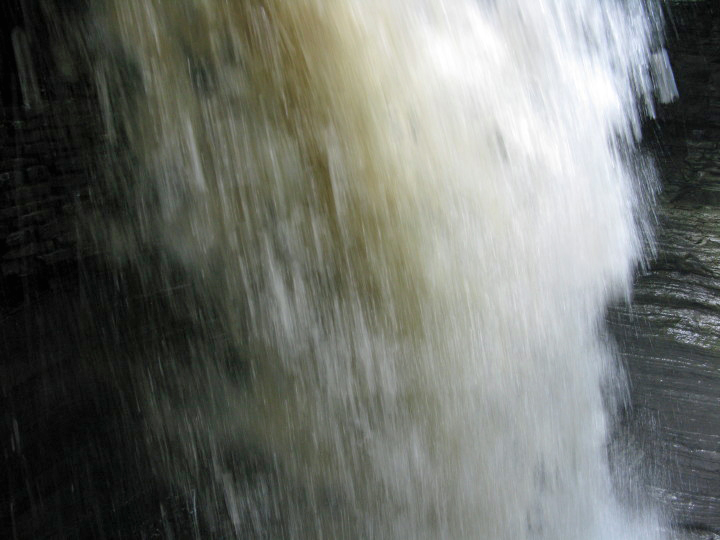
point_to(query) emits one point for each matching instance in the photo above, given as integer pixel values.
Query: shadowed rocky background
(74, 465)
(670, 335)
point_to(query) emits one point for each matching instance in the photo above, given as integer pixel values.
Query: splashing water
(409, 217)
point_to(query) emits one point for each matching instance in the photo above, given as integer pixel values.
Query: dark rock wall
(670, 336)
(50, 141)
(46, 159)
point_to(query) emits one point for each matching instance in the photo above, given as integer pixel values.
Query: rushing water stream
(406, 219)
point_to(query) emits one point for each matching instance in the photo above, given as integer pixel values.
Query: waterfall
(401, 223)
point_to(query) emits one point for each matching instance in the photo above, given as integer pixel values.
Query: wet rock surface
(75, 458)
(670, 335)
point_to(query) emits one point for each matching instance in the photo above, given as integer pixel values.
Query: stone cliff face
(670, 335)
(50, 140)
(45, 174)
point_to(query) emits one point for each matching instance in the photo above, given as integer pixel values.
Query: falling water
(402, 222)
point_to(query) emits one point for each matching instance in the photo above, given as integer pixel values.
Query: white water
(409, 217)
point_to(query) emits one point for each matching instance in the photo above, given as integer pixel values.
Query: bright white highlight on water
(410, 216)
